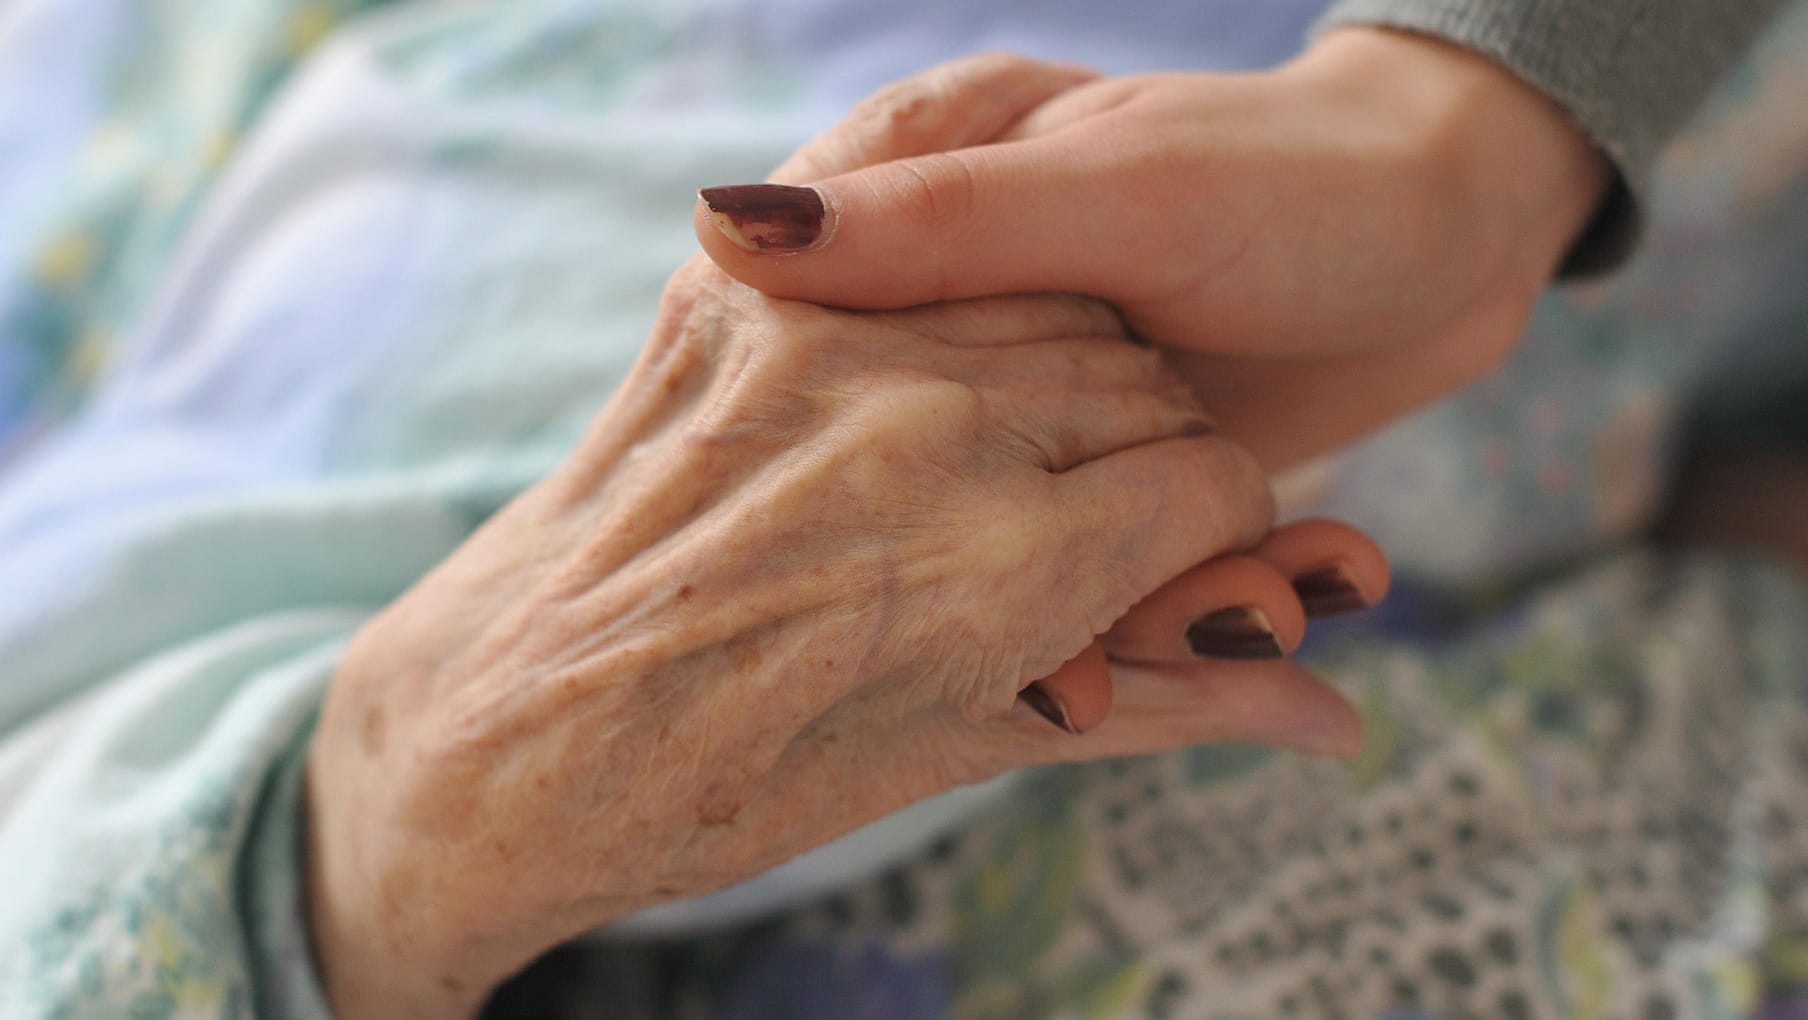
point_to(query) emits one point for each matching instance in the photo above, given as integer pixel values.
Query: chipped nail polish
(767, 217)
(1047, 707)
(1240, 632)
(1329, 591)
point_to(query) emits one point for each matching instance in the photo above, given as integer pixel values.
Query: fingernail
(1329, 591)
(1047, 707)
(767, 217)
(1240, 632)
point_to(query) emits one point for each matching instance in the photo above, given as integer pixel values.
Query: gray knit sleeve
(1630, 72)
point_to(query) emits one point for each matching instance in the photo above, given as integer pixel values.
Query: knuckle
(912, 115)
(1117, 578)
(984, 75)
(1235, 471)
(1077, 317)
(936, 190)
(894, 110)
(939, 400)
(1146, 371)
(790, 343)
(1100, 318)
(1057, 446)
(996, 63)
(947, 407)
(916, 112)
(770, 374)
(937, 109)
(936, 417)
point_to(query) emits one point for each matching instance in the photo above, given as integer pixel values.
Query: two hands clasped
(803, 567)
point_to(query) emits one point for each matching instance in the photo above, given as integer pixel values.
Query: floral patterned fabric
(1545, 824)
(254, 387)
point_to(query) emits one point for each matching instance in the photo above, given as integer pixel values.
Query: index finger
(965, 102)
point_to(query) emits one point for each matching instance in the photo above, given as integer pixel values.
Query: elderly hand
(792, 579)
(1321, 247)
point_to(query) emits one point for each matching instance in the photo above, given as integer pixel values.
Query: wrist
(380, 949)
(419, 903)
(1516, 161)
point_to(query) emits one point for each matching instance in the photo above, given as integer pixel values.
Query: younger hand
(1320, 248)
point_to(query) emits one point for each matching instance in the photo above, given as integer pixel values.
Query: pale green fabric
(448, 236)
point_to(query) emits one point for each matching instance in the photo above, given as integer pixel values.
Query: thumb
(922, 226)
(1021, 217)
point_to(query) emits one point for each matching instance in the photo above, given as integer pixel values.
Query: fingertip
(1310, 717)
(758, 247)
(1351, 747)
(1232, 607)
(1332, 566)
(1277, 704)
(1076, 72)
(1341, 735)
(716, 244)
(1077, 696)
(770, 219)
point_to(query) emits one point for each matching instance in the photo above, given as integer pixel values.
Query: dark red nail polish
(1240, 632)
(1047, 707)
(1329, 591)
(767, 217)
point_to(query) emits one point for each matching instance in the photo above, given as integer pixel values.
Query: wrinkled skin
(792, 579)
